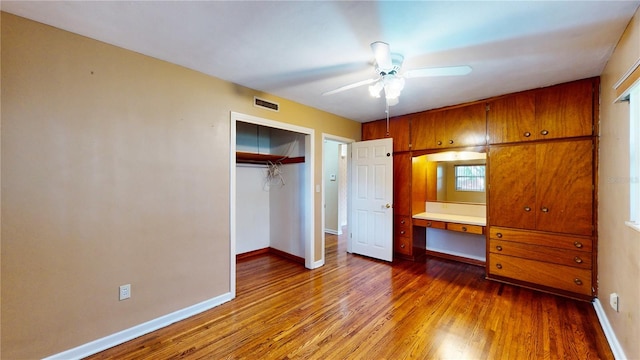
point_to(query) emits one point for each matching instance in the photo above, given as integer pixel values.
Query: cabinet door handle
(464, 228)
(545, 209)
(527, 134)
(499, 266)
(402, 221)
(527, 209)
(577, 244)
(439, 142)
(544, 132)
(499, 248)
(429, 224)
(401, 232)
(577, 281)
(499, 235)
(577, 260)
(450, 141)
(402, 246)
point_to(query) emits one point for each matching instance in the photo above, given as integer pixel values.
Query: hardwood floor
(358, 308)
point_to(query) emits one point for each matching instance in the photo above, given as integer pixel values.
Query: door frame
(348, 142)
(308, 189)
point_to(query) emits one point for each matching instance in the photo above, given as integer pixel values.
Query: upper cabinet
(398, 131)
(560, 111)
(455, 127)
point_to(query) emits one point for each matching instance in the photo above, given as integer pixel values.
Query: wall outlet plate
(125, 291)
(613, 301)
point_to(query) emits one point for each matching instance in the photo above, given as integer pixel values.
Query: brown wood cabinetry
(541, 215)
(555, 112)
(544, 186)
(455, 127)
(398, 130)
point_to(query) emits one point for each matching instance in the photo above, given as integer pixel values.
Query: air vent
(262, 103)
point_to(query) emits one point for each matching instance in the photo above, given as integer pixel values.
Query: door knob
(387, 206)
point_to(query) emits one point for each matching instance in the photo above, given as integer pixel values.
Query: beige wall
(113, 170)
(619, 245)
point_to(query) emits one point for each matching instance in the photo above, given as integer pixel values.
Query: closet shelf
(253, 158)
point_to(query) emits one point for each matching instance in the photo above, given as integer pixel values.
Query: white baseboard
(332, 232)
(618, 353)
(125, 335)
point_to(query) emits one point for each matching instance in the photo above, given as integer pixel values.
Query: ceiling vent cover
(269, 105)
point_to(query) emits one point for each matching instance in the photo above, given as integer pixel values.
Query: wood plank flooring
(359, 308)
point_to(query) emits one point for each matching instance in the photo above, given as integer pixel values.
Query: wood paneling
(565, 110)
(512, 119)
(354, 307)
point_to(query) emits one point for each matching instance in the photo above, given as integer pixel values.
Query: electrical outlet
(613, 301)
(125, 291)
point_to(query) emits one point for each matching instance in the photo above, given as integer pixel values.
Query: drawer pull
(499, 235)
(439, 142)
(577, 244)
(401, 232)
(464, 228)
(527, 134)
(545, 209)
(527, 209)
(402, 246)
(577, 281)
(544, 132)
(402, 221)
(499, 266)
(577, 260)
(450, 141)
(499, 248)
(429, 224)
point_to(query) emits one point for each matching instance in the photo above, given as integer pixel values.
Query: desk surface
(460, 219)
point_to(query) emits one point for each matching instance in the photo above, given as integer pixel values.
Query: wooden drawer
(403, 245)
(582, 243)
(429, 223)
(580, 259)
(562, 277)
(402, 226)
(471, 229)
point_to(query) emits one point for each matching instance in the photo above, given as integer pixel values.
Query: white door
(372, 199)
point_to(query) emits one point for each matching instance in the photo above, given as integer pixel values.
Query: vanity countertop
(460, 219)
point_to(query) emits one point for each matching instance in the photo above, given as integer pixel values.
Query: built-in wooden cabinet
(555, 112)
(544, 186)
(398, 130)
(541, 189)
(462, 126)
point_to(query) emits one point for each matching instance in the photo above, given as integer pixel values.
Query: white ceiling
(300, 49)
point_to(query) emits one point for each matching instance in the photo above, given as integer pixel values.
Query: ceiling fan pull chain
(387, 111)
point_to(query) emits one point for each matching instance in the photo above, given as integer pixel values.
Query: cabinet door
(398, 130)
(512, 196)
(512, 119)
(374, 130)
(565, 110)
(402, 184)
(465, 126)
(564, 187)
(427, 130)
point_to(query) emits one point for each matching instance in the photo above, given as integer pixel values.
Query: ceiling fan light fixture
(393, 86)
(375, 89)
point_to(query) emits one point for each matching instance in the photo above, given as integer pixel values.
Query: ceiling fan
(388, 66)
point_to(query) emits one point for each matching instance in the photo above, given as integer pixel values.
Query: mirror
(456, 177)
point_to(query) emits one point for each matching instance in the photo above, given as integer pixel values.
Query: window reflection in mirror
(456, 176)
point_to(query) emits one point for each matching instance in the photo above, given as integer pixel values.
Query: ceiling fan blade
(439, 71)
(382, 53)
(351, 86)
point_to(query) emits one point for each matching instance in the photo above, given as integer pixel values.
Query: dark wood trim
(270, 250)
(253, 158)
(252, 253)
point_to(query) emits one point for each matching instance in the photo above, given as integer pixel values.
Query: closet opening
(271, 191)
